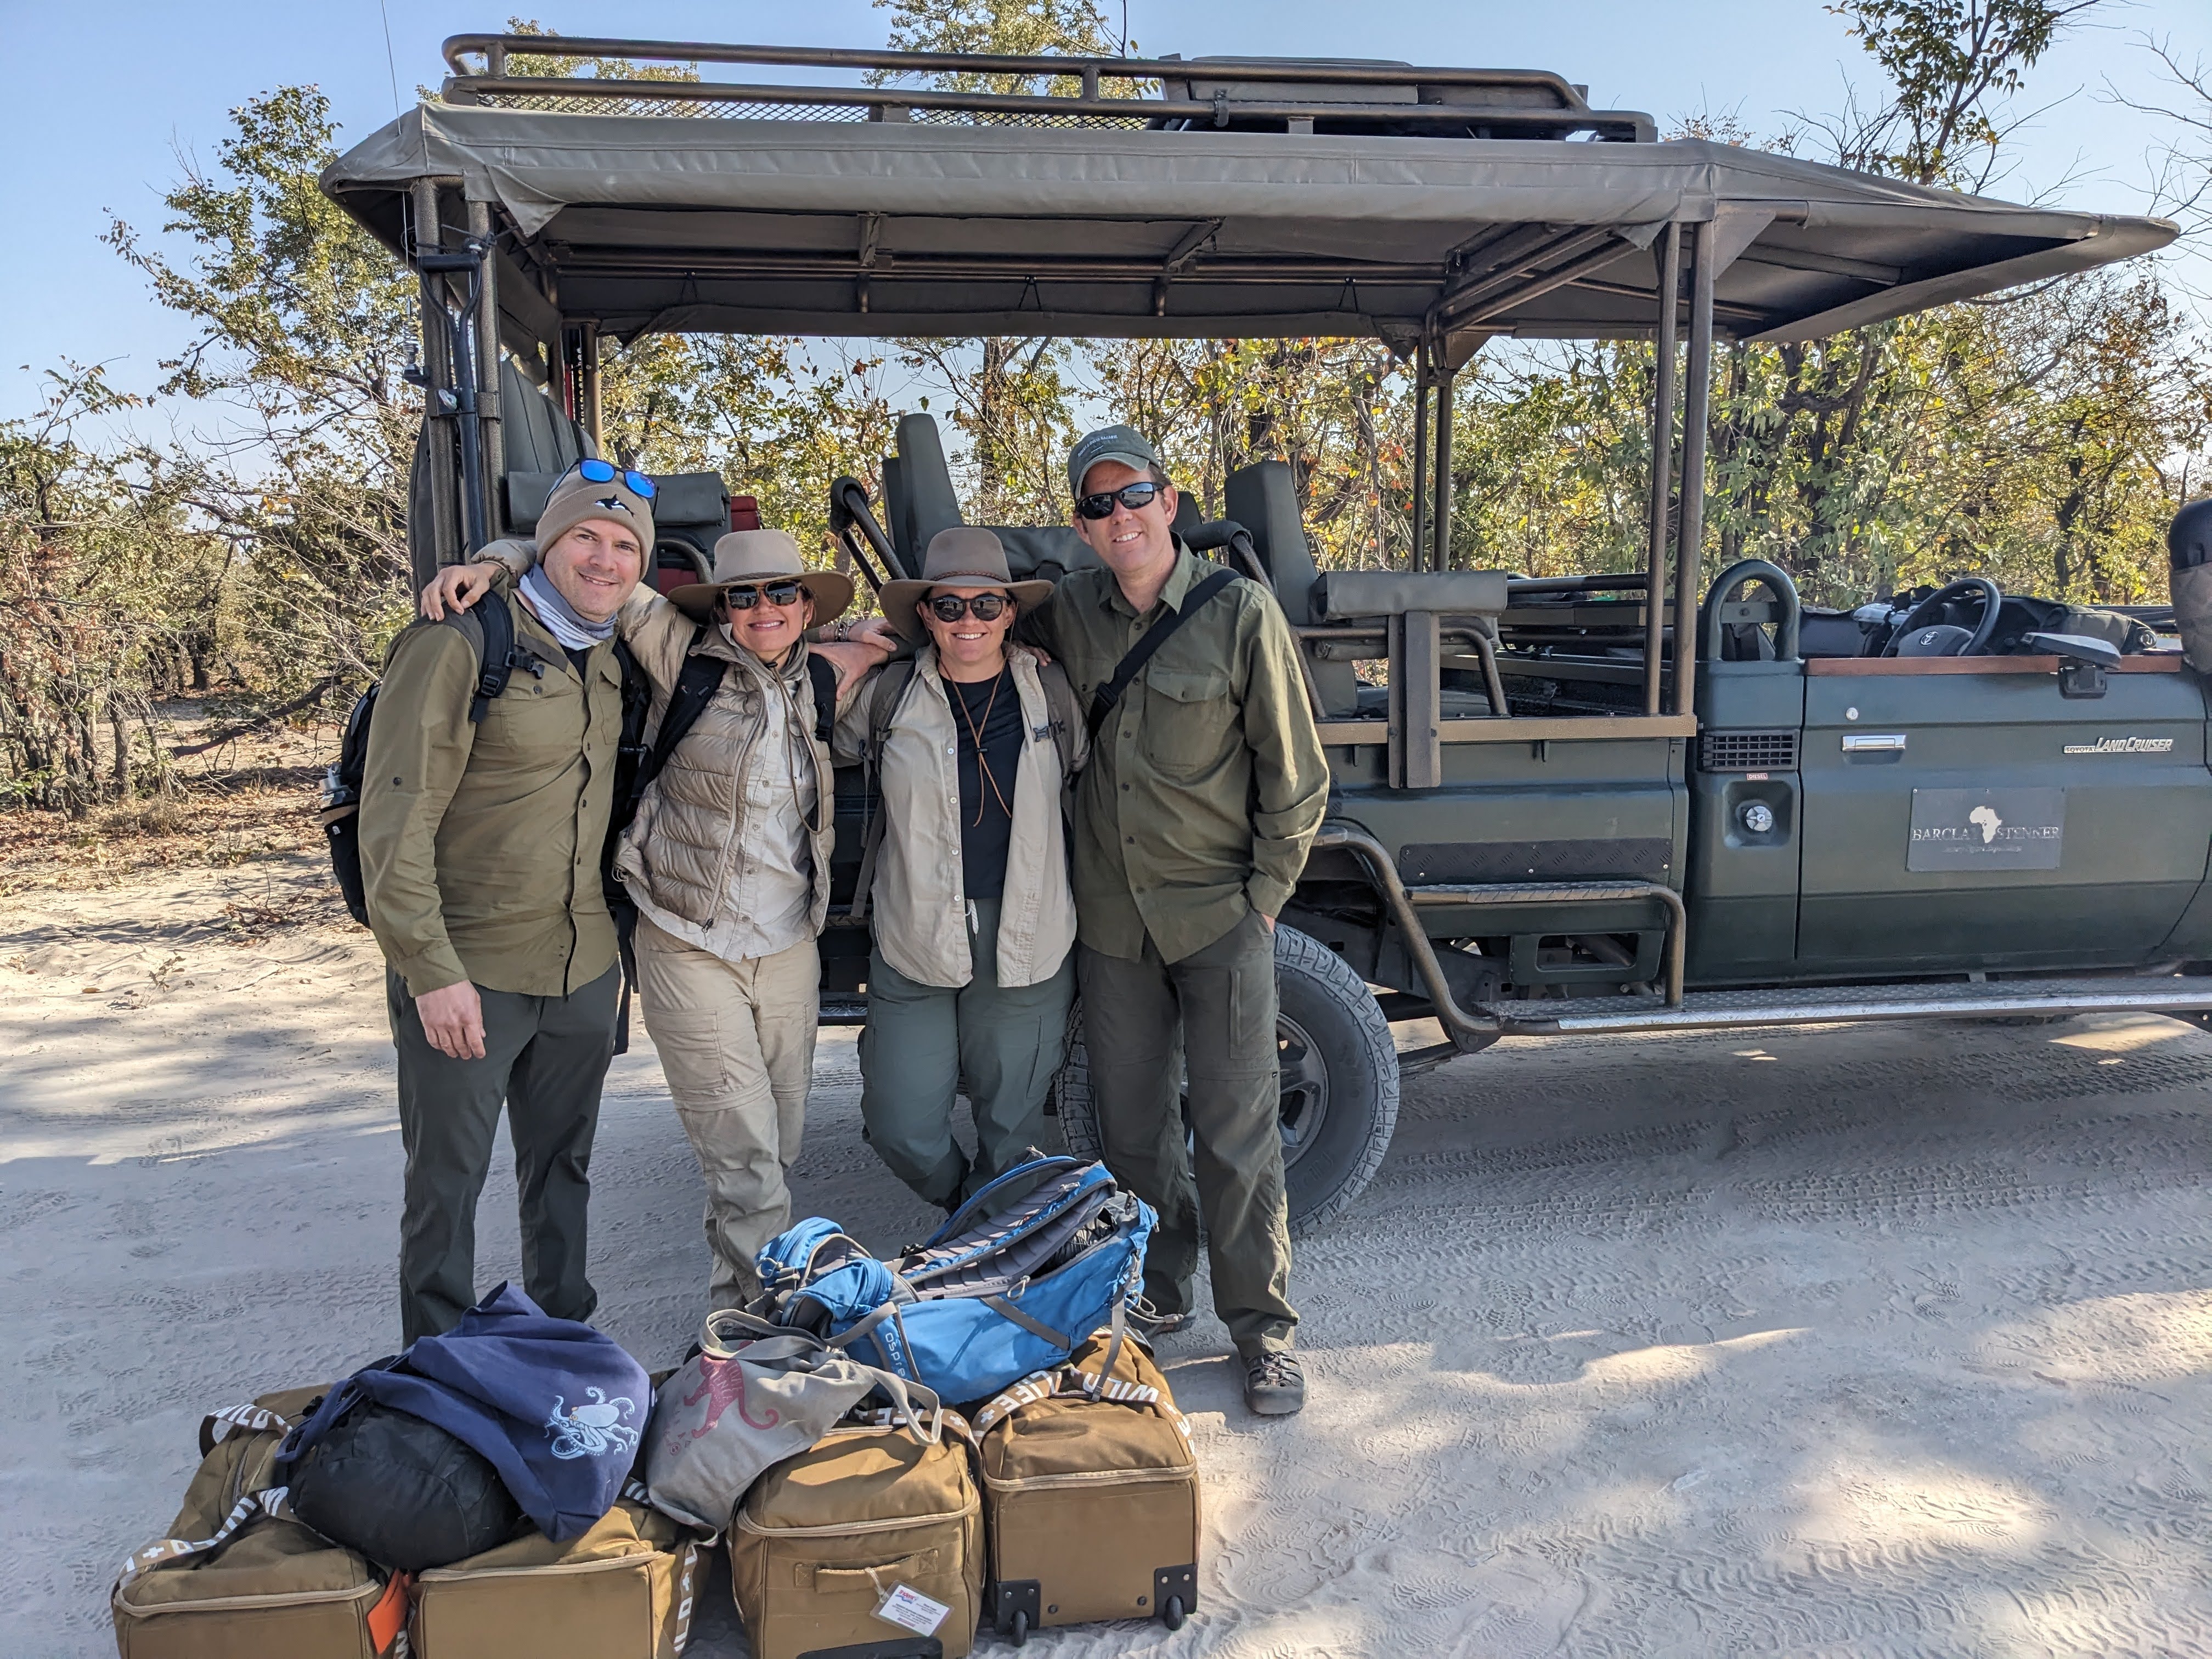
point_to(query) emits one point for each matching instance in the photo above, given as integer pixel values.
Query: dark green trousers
(922, 1043)
(544, 1059)
(1215, 1010)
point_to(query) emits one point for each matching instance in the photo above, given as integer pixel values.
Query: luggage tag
(910, 1609)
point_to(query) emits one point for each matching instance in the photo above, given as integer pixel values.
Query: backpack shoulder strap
(1060, 708)
(700, 677)
(883, 698)
(824, 680)
(1104, 700)
(489, 627)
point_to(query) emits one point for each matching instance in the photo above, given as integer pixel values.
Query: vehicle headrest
(1340, 594)
(686, 498)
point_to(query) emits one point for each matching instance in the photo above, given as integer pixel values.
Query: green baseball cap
(1124, 444)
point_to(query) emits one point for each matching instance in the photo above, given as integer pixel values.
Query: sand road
(1885, 1341)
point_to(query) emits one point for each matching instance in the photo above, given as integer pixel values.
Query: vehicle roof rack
(1343, 96)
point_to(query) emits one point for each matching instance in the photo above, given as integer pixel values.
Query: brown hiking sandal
(1274, 1384)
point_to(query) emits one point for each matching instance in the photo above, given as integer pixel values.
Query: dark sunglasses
(637, 483)
(744, 599)
(1135, 497)
(984, 607)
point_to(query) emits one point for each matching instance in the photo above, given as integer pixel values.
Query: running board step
(1706, 1010)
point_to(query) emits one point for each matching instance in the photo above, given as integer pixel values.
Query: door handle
(1866, 743)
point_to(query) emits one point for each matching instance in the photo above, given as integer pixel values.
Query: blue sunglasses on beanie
(598, 471)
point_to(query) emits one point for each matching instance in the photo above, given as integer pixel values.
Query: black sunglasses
(1134, 496)
(595, 472)
(984, 607)
(744, 599)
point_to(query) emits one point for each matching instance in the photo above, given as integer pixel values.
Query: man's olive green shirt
(1207, 783)
(480, 844)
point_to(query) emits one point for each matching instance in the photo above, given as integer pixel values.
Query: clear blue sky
(159, 79)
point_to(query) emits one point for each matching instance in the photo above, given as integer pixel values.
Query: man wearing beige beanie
(728, 862)
(482, 821)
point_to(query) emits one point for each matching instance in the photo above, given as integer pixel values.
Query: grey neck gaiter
(562, 619)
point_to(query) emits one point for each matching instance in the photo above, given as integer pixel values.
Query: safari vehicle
(1620, 803)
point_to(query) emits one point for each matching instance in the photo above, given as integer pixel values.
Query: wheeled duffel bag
(1090, 1494)
(623, 1590)
(237, 1574)
(872, 1541)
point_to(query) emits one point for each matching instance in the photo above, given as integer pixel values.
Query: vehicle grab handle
(1723, 592)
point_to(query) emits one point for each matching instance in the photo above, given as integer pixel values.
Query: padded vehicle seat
(1264, 498)
(920, 500)
(691, 512)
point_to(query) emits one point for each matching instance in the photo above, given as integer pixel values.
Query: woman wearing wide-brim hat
(973, 745)
(727, 861)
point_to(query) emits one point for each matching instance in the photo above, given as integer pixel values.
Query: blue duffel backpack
(1016, 1278)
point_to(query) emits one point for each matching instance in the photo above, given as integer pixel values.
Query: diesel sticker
(1986, 828)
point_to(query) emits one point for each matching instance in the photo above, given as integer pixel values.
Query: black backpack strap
(824, 680)
(699, 678)
(496, 656)
(1104, 700)
(1061, 710)
(630, 757)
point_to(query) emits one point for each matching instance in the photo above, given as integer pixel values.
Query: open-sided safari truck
(1600, 804)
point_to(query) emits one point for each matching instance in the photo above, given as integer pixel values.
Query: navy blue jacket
(556, 1407)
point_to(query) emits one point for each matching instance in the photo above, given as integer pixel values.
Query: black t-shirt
(986, 821)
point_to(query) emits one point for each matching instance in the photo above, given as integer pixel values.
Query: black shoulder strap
(1106, 695)
(824, 678)
(696, 686)
(629, 751)
(496, 652)
(1060, 708)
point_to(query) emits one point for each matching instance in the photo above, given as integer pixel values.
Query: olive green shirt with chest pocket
(480, 843)
(1207, 782)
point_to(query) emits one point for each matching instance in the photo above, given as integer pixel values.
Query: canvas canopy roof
(664, 222)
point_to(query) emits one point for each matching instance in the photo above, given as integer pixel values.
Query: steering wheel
(1931, 608)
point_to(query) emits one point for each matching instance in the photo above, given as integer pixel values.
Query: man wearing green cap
(480, 847)
(1206, 786)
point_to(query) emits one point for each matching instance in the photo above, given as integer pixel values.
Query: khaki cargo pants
(737, 1044)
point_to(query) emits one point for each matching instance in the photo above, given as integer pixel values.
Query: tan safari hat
(965, 556)
(754, 556)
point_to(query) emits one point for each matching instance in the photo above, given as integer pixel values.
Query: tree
(303, 326)
(1951, 64)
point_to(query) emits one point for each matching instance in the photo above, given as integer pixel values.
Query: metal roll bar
(1723, 594)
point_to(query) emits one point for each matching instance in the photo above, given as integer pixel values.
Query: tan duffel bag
(879, 1518)
(1090, 1494)
(623, 1590)
(237, 1575)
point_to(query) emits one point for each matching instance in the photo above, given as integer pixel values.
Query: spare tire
(1339, 1082)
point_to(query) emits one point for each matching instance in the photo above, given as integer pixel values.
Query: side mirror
(2083, 661)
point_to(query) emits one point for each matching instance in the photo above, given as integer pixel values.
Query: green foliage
(303, 326)
(106, 594)
(1010, 29)
(1949, 62)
